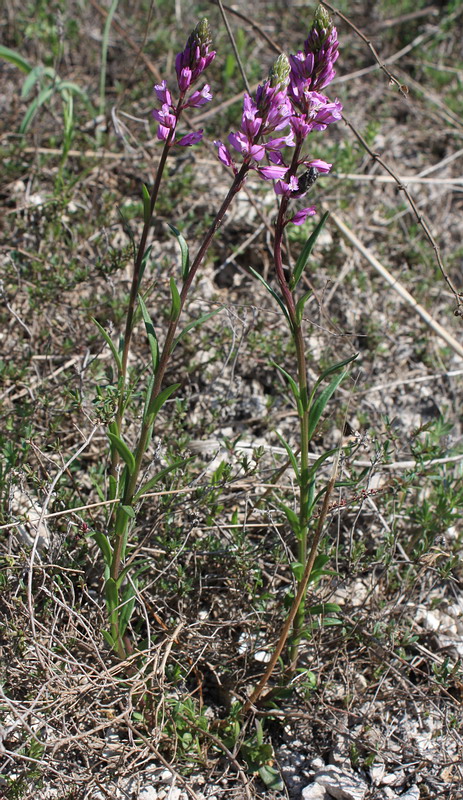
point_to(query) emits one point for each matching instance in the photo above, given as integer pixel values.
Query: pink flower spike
(223, 153)
(321, 166)
(190, 138)
(301, 216)
(272, 172)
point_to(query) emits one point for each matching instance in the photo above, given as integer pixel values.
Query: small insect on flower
(306, 181)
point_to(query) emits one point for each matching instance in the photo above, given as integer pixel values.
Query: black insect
(306, 181)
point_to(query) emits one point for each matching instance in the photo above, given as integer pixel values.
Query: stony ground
(375, 711)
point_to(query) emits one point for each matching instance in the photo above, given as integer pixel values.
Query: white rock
(314, 792)
(342, 785)
(412, 794)
(377, 771)
(148, 793)
(165, 776)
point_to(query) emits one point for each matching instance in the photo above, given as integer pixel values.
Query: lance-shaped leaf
(300, 306)
(330, 370)
(274, 294)
(143, 264)
(15, 58)
(157, 402)
(104, 545)
(123, 451)
(185, 253)
(111, 594)
(321, 401)
(292, 518)
(146, 204)
(306, 252)
(291, 456)
(151, 334)
(175, 307)
(111, 345)
(159, 476)
(127, 605)
(293, 385)
(194, 324)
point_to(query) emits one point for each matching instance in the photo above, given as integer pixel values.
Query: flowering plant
(286, 108)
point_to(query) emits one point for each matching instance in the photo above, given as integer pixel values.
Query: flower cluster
(189, 65)
(290, 98)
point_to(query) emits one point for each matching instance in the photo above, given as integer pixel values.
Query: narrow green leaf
(151, 334)
(292, 518)
(127, 605)
(305, 252)
(35, 75)
(129, 511)
(324, 608)
(194, 324)
(112, 595)
(184, 250)
(333, 368)
(159, 476)
(293, 385)
(112, 487)
(123, 451)
(291, 456)
(175, 307)
(146, 204)
(15, 58)
(321, 401)
(300, 306)
(70, 86)
(41, 98)
(158, 402)
(104, 545)
(143, 264)
(274, 294)
(111, 346)
(108, 639)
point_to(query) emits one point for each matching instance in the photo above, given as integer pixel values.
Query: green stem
(298, 338)
(122, 519)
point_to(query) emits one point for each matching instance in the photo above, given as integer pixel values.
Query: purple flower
(272, 173)
(199, 98)
(301, 216)
(223, 154)
(319, 165)
(190, 138)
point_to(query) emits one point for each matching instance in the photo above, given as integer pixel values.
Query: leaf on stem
(274, 294)
(143, 264)
(306, 252)
(321, 401)
(159, 476)
(157, 402)
(175, 307)
(293, 385)
(111, 346)
(104, 545)
(127, 605)
(112, 595)
(15, 58)
(184, 250)
(194, 324)
(151, 334)
(292, 457)
(123, 451)
(146, 204)
(292, 518)
(300, 306)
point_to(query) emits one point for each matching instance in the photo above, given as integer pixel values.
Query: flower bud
(279, 74)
